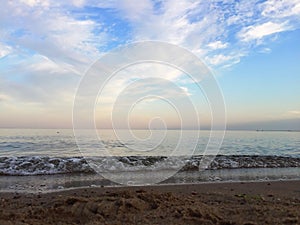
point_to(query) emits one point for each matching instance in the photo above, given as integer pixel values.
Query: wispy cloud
(47, 28)
(258, 32)
(223, 59)
(4, 97)
(32, 3)
(294, 113)
(4, 50)
(217, 45)
(281, 9)
(38, 27)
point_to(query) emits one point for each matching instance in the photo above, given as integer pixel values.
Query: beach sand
(219, 203)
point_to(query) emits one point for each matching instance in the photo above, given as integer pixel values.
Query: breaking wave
(41, 165)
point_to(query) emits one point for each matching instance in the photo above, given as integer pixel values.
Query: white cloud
(4, 50)
(149, 72)
(265, 50)
(241, 12)
(44, 64)
(32, 3)
(4, 97)
(281, 9)
(175, 22)
(52, 32)
(186, 91)
(196, 25)
(217, 45)
(294, 112)
(221, 59)
(259, 31)
(78, 3)
(38, 80)
(192, 24)
(135, 10)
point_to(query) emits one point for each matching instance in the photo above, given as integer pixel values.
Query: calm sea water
(244, 155)
(50, 142)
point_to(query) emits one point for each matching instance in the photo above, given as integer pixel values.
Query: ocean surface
(48, 159)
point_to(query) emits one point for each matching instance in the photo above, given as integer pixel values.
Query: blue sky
(251, 46)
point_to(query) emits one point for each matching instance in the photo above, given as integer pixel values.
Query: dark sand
(221, 203)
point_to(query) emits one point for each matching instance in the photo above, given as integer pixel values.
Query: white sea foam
(40, 165)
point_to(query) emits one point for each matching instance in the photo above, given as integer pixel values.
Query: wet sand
(219, 203)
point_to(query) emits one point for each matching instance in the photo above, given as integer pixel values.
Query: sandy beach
(275, 202)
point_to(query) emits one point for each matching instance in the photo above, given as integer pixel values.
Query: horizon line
(204, 129)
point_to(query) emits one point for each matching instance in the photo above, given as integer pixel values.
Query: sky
(252, 47)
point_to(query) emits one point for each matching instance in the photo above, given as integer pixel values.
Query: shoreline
(61, 182)
(263, 202)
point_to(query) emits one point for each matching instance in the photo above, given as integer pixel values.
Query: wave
(41, 165)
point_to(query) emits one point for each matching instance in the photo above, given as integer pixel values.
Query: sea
(43, 160)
